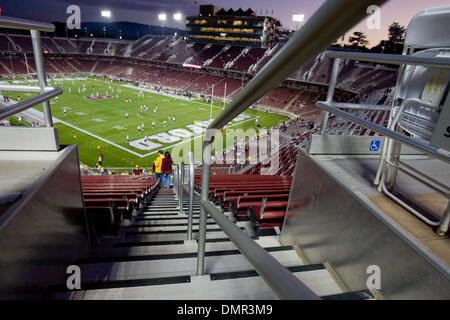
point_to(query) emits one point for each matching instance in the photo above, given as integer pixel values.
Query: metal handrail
(391, 58)
(336, 17)
(181, 187)
(281, 280)
(438, 153)
(18, 88)
(35, 28)
(29, 103)
(362, 106)
(17, 23)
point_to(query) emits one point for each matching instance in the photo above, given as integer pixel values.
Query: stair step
(165, 224)
(166, 256)
(172, 247)
(147, 216)
(175, 229)
(353, 295)
(169, 236)
(178, 265)
(242, 285)
(167, 220)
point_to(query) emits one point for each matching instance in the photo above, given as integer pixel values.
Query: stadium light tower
(162, 17)
(298, 18)
(177, 18)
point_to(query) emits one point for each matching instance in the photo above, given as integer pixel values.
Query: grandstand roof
(239, 12)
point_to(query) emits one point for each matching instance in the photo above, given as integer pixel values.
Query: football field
(101, 117)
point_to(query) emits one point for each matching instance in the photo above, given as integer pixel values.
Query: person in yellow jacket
(158, 163)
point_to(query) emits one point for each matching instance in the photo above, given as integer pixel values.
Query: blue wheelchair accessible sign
(374, 145)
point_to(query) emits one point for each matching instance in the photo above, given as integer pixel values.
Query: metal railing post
(206, 166)
(191, 194)
(443, 227)
(178, 181)
(330, 94)
(39, 61)
(181, 187)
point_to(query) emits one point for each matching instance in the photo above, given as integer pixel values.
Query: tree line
(358, 41)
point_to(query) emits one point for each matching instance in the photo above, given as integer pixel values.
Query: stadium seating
(83, 45)
(244, 62)
(24, 42)
(209, 52)
(68, 46)
(110, 197)
(279, 97)
(99, 47)
(118, 48)
(204, 82)
(16, 64)
(182, 80)
(85, 65)
(61, 65)
(49, 45)
(155, 48)
(225, 57)
(5, 44)
(219, 87)
(247, 196)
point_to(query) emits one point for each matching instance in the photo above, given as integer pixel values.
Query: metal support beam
(39, 61)
(330, 94)
(16, 23)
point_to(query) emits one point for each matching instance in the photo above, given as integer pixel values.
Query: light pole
(162, 17)
(105, 14)
(177, 18)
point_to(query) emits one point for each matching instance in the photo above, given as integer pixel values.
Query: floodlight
(177, 16)
(106, 13)
(298, 17)
(162, 16)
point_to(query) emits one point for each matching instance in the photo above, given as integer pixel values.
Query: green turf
(14, 121)
(110, 113)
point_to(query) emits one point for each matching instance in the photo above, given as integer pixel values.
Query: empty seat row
(110, 198)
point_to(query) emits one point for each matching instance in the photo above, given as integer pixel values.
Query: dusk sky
(146, 11)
